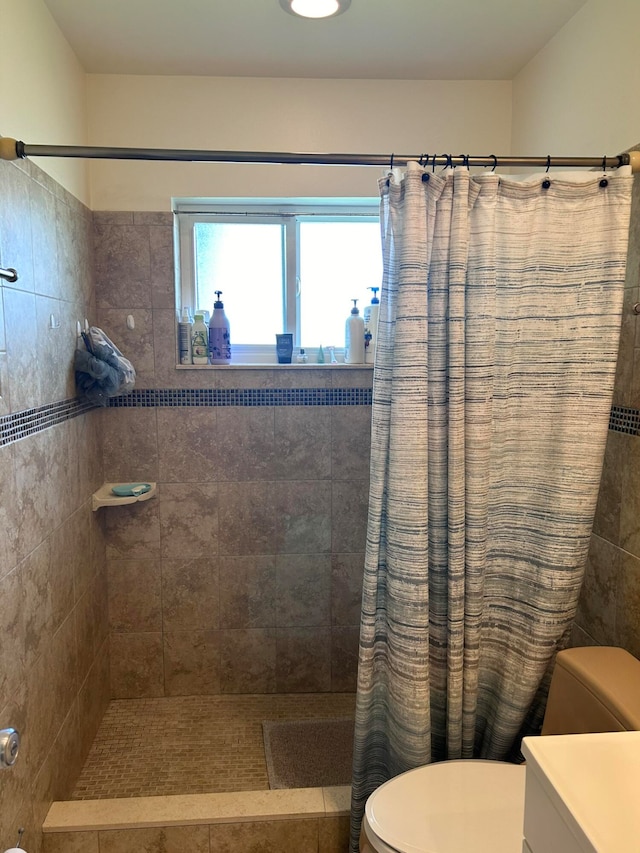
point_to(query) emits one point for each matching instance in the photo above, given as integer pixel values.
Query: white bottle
(200, 341)
(354, 337)
(184, 336)
(371, 313)
(219, 334)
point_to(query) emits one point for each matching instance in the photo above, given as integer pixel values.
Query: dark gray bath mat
(308, 753)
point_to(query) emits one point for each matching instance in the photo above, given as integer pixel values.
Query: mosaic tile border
(250, 397)
(31, 421)
(624, 420)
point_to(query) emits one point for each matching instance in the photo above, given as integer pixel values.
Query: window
(281, 267)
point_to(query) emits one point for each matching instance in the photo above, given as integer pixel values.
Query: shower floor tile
(192, 744)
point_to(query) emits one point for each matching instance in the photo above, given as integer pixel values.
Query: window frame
(289, 213)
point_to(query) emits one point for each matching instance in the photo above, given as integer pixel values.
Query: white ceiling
(374, 39)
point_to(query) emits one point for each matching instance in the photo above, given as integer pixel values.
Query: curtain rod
(12, 149)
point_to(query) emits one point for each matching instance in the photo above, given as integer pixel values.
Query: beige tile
(247, 518)
(15, 224)
(123, 265)
(303, 516)
(30, 459)
(52, 684)
(597, 604)
(136, 344)
(128, 756)
(188, 520)
(132, 531)
(164, 352)
(130, 445)
(294, 377)
(285, 836)
(71, 550)
(350, 442)
(248, 661)
(349, 507)
(303, 660)
(16, 780)
(70, 842)
(190, 594)
(5, 401)
(45, 242)
(243, 378)
(188, 445)
(344, 659)
(20, 326)
(162, 264)
(628, 463)
(352, 377)
(36, 580)
(191, 663)
(247, 592)
(9, 511)
(333, 834)
(136, 665)
(252, 430)
(135, 604)
(93, 698)
(60, 768)
(347, 571)
(55, 377)
(86, 637)
(166, 839)
(627, 621)
(302, 443)
(221, 808)
(12, 632)
(303, 590)
(31, 839)
(337, 800)
(75, 249)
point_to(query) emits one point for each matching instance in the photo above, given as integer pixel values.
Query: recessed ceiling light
(315, 8)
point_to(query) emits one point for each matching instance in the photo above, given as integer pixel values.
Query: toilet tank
(593, 689)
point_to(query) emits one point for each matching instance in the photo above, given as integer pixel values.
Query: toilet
(474, 806)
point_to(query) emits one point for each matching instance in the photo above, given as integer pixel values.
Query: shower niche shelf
(105, 496)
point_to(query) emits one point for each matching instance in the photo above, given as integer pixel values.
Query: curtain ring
(433, 164)
(604, 163)
(495, 162)
(548, 162)
(465, 160)
(391, 164)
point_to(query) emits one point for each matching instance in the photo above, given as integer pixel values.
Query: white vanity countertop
(593, 782)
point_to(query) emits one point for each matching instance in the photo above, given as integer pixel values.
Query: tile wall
(53, 596)
(243, 575)
(609, 608)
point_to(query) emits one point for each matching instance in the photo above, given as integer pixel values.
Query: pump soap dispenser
(371, 313)
(354, 337)
(219, 334)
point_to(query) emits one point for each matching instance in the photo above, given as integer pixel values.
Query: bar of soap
(127, 490)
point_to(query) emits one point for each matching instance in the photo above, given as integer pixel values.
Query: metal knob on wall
(636, 308)
(9, 746)
(10, 274)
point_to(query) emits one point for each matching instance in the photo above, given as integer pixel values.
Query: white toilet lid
(451, 807)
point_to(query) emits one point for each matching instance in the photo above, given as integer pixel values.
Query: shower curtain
(495, 362)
